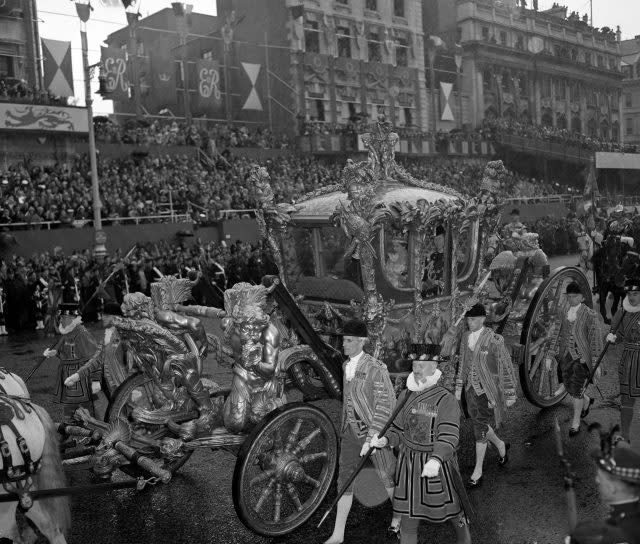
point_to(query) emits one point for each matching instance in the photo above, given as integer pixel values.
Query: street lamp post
(84, 11)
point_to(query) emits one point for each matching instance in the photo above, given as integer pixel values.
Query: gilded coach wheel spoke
(309, 457)
(305, 443)
(293, 495)
(265, 494)
(277, 506)
(262, 477)
(293, 435)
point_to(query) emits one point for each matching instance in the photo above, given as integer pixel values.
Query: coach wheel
(284, 469)
(541, 325)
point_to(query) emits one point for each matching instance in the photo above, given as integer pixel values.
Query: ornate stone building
(358, 56)
(20, 42)
(631, 91)
(546, 67)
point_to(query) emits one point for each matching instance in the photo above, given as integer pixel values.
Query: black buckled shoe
(504, 459)
(574, 432)
(474, 483)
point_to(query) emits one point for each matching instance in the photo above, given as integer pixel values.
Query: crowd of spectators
(27, 283)
(198, 134)
(493, 128)
(140, 187)
(19, 91)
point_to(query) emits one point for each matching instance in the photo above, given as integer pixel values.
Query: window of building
(487, 78)
(561, 90)
(574, 55)
(207, 55)
(374, 47)
(587, 58)
(629, 126)
(458, 34)
(612, 64)
(628, 100)
(402, 52)
(574, 92)
(319, 107)
(600, 61)
(398, 8)
(408, 117)
(344, 41)
(520, 42)
(371, 5)
(6, 66)
(485, 33)
(503, 38)
(546, 87)
(627, 71)
(592, 98)
(311, 37)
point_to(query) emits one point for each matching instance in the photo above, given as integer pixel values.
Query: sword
(365, 458)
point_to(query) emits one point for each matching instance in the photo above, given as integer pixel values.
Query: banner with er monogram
(209, 88)
(114, 64)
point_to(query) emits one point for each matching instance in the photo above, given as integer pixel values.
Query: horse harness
(11, 407)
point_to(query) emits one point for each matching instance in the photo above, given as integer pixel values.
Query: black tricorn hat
(477, 310)
(573, 289)
(632, 284)
(355, 327)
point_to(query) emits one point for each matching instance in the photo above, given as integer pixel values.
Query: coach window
(305, 255)
(394, 248)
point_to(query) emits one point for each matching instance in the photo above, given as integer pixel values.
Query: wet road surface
(522, 503)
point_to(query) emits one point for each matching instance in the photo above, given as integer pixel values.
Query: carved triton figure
(169, 346)
(258, 381)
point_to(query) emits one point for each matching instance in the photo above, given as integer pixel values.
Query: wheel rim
(138, 392)
(284, 471)
(540, 385)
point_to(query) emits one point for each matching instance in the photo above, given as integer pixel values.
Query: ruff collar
(413, 385)
(628, 308)
(66, 330)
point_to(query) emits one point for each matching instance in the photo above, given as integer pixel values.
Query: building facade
(631, 91)
(20, 42)
(543, 67)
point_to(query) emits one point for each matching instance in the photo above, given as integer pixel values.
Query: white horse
(18, 415)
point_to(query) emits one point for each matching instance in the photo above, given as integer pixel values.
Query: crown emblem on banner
(164, 77)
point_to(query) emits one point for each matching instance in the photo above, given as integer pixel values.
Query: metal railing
(82, 223)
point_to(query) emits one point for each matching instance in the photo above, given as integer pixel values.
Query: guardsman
(74, 348)
(487, 377)
(575, 348)
(618, 480)
(368, 401)
(626, 327)
(427, 431)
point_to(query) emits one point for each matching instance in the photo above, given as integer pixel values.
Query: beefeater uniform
(488, 379)
(368, 401)
(428, 427)
(627, 323)
(74, 348)
(576, 347)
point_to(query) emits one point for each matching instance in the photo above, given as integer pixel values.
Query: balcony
(549, 150)
(12, 30)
